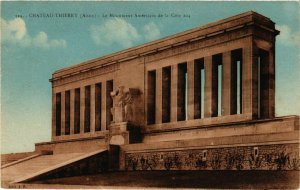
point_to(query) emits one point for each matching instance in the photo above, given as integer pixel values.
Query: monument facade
(212, 82)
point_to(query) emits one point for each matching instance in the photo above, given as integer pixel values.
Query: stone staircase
(39, 165)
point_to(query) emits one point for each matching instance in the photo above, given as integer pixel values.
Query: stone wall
(74, 145)
(7, 158)
(264, 157)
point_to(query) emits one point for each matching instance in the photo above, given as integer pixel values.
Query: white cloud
(15, 32)
(151, 31)
(115, 31)
(287, 37)
(119, 32)
(15, 29)
(41, 40)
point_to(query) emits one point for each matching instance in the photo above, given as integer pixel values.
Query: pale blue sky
(33, 48)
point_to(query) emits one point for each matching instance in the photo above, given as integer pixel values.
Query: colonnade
(86, 109)
(239, 81)
(236, 82)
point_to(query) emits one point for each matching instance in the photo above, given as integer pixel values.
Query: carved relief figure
(122, 101)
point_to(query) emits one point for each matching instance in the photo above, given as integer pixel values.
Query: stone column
(181, 92)
(109, 102)
(67, 112)
(72, 111)
(82, 106)
(166, 94)
(53, 114)
(92, 109)
(227, 85)
(63, 114)
(98, 107)
(198, 88)
(174, 84)
(87, 109)
(191, 89)
(77, 110)
(211, 88)
(249, 80)
(267, 70)
(103, 106)
(151, 86)
(208, 86)
(272, 82)
(158, 96)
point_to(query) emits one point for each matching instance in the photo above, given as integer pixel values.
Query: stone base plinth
(118, 134)
(117, 128)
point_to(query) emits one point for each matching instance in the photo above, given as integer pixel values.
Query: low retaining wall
(74, 145)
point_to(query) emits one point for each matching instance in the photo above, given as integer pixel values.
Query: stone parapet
(210, 128)
(73, 145)
(96, 134)
(246, 140)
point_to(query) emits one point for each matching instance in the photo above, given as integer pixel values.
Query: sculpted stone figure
(122, 101)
